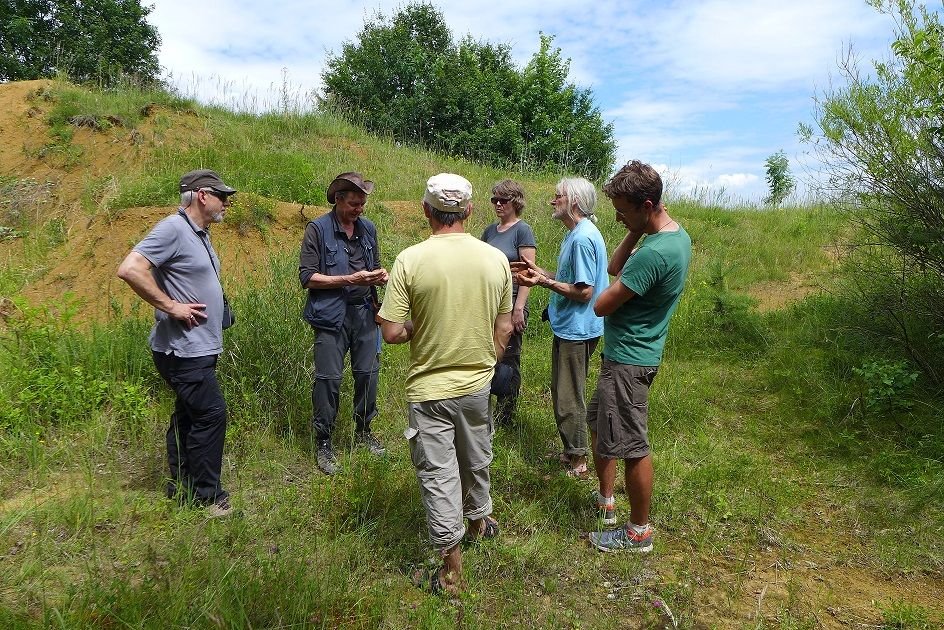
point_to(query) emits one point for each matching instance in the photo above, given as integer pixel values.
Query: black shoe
(327, 461)
(370, 441)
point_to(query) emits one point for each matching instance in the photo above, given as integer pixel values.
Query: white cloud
(710, 86)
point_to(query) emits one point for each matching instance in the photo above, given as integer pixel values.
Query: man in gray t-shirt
(175, 270)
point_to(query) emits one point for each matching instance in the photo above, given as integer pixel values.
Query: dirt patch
(772, 296)
(87, 263)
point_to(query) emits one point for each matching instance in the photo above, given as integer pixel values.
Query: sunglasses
(500, 200)
(219, 195)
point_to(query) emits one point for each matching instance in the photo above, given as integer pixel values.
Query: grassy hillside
(791, 490)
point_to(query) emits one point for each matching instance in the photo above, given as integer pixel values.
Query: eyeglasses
(219, 195)
(500, 200)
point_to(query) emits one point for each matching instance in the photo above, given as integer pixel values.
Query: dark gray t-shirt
(181, 254)
(518, 235)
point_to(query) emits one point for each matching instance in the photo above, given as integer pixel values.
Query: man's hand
(368, 278)
(529, 278)
(518, 320)
(189, 315)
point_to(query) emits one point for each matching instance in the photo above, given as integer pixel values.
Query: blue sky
(705, 90)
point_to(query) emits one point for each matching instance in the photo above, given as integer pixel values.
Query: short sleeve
(525, 235)
(507, 290)
(396, 303)
(161, 243)
(585, 263)
(642, 270)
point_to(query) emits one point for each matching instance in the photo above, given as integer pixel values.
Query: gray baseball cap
(204, 178)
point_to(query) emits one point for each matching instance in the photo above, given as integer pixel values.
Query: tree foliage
(780, 182)
(90, 40)
(881, 139)
(406, 75)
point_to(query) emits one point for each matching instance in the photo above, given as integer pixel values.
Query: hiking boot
(370, 442)
(622, 539)
(219, 509)
(606, 509)
(327, 461)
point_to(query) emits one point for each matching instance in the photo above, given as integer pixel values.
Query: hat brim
(341, 184)
(223, 188)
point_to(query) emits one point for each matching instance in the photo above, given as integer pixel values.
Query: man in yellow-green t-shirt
(450, 298)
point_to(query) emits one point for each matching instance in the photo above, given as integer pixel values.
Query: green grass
(771, 470)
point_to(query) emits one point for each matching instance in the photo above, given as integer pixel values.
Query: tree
(406, 75)
(780, 182)
(90, 40)
(881, 141)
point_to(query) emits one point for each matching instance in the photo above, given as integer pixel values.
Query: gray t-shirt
(518, 235)
(180, 253)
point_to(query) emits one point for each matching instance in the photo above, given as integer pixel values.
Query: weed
(887, 385)
(250, 211)
(901, 615)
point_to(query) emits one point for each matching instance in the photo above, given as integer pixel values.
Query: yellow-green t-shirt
(452, 286)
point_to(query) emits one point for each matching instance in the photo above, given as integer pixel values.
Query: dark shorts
(619, 411)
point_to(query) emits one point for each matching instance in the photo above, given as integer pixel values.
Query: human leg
(175, 439)
(570, 365)
(506, 403)
(433, 453)
(474, 455)
(329, 349)
(639, 480)
(200, 399)
(621, 431)
(365, 364)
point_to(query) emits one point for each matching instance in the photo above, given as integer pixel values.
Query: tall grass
(765, 452)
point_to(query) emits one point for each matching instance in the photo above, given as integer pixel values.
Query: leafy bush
(779, 180)
(887, 384)
(880, 139)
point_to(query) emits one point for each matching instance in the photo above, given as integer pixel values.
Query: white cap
(448, 193)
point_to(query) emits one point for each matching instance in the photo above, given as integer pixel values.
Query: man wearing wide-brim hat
(339, 265)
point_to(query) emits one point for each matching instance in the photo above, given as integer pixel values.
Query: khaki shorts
(619, 411)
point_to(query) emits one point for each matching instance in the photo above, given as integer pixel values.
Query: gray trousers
(359, 334)
(451, 448)
(570, 366)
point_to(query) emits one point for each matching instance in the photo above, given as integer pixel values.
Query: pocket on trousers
(417, 450)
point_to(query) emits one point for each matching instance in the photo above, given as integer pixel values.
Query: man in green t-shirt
(450, 298)
(636, 308)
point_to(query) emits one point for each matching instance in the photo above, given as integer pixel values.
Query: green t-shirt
(453, 286)
(635, 334)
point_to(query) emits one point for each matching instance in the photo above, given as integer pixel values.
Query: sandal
(580, 471)
(489, 531)
(429, 580)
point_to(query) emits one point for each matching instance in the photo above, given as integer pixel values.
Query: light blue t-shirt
(582, 260)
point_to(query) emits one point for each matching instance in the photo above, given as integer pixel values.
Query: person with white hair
(580, 278)
(456, 290)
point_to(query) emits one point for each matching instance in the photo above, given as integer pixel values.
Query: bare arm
(613, 297)
(533, 276)
(517, 314)
(135, 269)
(623, 251)
(358, 278)
(395, 332)
(502, 333)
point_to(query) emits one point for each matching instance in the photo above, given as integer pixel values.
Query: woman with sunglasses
(515, 239)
